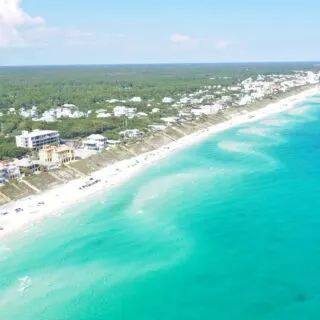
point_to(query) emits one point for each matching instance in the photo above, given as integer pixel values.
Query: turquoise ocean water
(226, 229)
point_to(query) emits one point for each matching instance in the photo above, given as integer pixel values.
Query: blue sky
(48, 32)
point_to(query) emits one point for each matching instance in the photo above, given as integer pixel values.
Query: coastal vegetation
(9, 150)
(95, 88)
(90, 86)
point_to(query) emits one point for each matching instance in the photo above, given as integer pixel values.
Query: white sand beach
(57, 200)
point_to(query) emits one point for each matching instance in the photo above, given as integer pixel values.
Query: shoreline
(68, 195)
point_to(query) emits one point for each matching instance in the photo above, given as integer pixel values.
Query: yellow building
(56, 154)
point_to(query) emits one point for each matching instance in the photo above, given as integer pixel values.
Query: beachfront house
(25, 165)
(134, 133)
(8, 171)
(207, 109)
(311, 78)
(95, 142)
(57, 154)
(157, 127)
(171, 120)
(37, 138)
(12, 171)
(244, 100)
(113, 142)
(2, 175)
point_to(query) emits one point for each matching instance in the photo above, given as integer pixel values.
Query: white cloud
(222, 44)
(41, 36)
(12, 16)
(180, 38)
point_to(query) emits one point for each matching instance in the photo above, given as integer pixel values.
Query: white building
(207, 109)
(120, 111)
(78, 114)
(12, 171)
(136, 99)
(8, 171)
(46, 117)
(211, 109)
(112, 100)
(37, 138)
(2, 175)
(142, 114)
(29, 113)
(244, 100)
(184, 114)
(197, 112)
(167, 100)
(104, 115)
(24, 163)
(185, 100)
(131, 133)
(124, 111)
(311, 77)
(158, 127)
(53, 114)
(131, 112)
(95, 142)
(171, 120)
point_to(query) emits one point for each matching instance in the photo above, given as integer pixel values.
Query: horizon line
(154, 63)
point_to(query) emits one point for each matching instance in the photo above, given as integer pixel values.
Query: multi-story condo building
(37, 138)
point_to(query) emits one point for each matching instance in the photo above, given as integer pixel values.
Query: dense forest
(84, 86)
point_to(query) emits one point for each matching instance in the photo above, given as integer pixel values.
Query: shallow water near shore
(226, 229)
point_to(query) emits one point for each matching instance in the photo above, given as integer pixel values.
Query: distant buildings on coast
(48, 151)
(203, 101)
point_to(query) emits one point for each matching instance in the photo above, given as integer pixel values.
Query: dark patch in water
(301, 297)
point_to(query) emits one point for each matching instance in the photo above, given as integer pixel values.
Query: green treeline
(85, 86)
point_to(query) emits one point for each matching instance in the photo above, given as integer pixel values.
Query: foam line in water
(240, 147)
(302, 114)
(313, 99)
(275, 122)
(272, 137)
(263, 132)
(298, 110)
(162, 189)
(246, 149)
